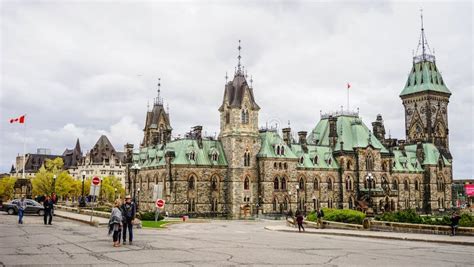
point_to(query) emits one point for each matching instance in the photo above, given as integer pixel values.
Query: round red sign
(160, 203)
(96, 180)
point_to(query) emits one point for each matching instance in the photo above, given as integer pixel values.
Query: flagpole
(348, 97)
(24, 150)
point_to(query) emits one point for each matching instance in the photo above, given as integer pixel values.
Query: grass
(153, 224)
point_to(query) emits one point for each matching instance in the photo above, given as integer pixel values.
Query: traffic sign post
(94, 192)
(159, 204)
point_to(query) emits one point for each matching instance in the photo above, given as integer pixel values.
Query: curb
(93, 223)
(380, 237)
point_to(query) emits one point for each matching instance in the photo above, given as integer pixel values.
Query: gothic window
(283, 183)
(301, 183)
(276, 183)
(349, 165)
(440, 165)
(214, 156)
(315, 160)
(191, 183)
(274, 204)
(275, 165)
(384, 166)
(227, 117)
(395, 184)
(316, 184)
(245, 116)
(329, 161)
(301, 160)
(247, 158)
(406, 186)
(330, 185)
(246, 183)
(369, 163)
(278, 150)
(285, 166)
(214, 183)
(417, 185)
(280, 166)
(440, 184)
(282, 150)
(349, 184)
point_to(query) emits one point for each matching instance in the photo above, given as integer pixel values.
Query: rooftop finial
(251, 81)
(423, 42)
(422, 33)
(158, 100)
(148, 105)
(239, 57)
(226, 77)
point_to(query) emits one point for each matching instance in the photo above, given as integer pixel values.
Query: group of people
(300, 219)
(48, 204)
(121, 220)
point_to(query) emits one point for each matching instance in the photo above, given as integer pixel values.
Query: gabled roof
(405, 161)
(318, 157)
(350, 129)
(431, 153)
(424, 76)
(270, 139)
(103, 149)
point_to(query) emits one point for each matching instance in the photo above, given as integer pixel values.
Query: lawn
(153, 224)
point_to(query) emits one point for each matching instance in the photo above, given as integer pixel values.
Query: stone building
(103, 160)
(341, 163)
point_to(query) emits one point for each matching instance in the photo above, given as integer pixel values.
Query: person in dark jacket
(299, 220)
(454, 223)
(115, 223)
(128, 214)
(48, 210)
(320, 218)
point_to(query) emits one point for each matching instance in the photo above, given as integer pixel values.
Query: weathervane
(226, 77)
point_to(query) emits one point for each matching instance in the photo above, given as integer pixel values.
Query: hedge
(410, 216)
(149, 216)
(339, 215)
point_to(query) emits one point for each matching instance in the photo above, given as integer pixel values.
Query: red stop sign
(160, 203)
(96, 180)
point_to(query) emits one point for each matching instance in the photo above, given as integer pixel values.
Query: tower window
(247, 158)
(276, 183)
(246, 183)
(369, 163)
(191, 183)
(283, 183)
(214, 183)
(301, 183)
(227, 117)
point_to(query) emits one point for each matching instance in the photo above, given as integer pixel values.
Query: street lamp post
(369, 178)
(298, 208)
(138, 200)
(135, 169)
(289, 193)
(82, 203)
(54, 183)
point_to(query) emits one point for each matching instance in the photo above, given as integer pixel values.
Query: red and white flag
(348, 85)
(20, 119)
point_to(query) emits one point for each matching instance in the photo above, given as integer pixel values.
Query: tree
(44, 184)
(7, 185)
(108, 186)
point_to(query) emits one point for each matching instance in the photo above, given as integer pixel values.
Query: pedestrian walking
(48, 210)
(299, 220)
(115, 223)
(320, 217)
(454, 222)
(21, 209)
(129, 210)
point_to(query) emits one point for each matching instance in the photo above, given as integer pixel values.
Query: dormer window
(192, 155)
(214, 156)
(280, 150)
(301, 160)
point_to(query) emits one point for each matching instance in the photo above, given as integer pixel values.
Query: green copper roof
(432, 155)
(318, 157)
(155, 156)
(270, 140)
(405, 162)
(424, 76)
(350, 130)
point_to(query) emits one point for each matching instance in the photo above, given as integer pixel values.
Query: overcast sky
(85, 68)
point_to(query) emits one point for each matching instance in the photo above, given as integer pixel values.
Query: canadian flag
(20, 119)
(348, 85)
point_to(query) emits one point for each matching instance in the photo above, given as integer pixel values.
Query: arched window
(283, 183)
(214, 156)
(301, 183)
(192, 155)
(275, 165)
(440, 184)
(247, 158)
(301, 160)
(349, 165)
(282, 150)
(280, 166)
(315, 160)
(329, 181)
(246, 183)
(214, 183)
(278, 150)
(285, 166)
(406, 185)
(369, 163)
(274, 204)
(191, 183)
(384, 166)
(395, 184)
(417, 185)
(316, 184)
(348, 184)
(276, 183)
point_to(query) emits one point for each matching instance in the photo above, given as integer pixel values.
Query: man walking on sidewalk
(21, 209)
(48, 210)
(128, 212)
(320, 215)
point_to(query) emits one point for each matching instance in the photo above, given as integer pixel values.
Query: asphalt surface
(215, 243)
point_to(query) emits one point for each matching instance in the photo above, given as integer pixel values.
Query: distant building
(459, 192)
(102, 160)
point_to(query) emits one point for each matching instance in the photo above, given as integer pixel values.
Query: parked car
(32, 207)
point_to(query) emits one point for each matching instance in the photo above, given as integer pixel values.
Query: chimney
(197, 134)
(332, 131)
(128, 152)
(420, 153)
(378, 128)
(287, 135)
(302, 140)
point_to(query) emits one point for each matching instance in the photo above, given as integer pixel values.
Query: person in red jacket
(299, 220)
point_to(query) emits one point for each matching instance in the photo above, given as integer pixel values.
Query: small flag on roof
(20, 119)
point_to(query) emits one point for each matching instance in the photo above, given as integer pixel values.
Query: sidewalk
(457, 240)
(81, 217)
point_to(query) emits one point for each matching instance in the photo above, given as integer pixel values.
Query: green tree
(108, 186)
(7, 187)
(44, 183)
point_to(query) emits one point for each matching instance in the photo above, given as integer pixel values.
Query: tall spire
(158, 100)
(423, 42)
(239, 57)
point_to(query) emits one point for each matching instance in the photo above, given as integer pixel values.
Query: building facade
(341, 163)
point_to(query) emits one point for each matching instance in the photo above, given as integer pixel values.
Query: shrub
(467, 220)
(403, 216)
(344, 215)
(312, 216)
(149, 216)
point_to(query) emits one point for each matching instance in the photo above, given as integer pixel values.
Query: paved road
(211, 244)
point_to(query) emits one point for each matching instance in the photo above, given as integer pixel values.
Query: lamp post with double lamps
(369, 178)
